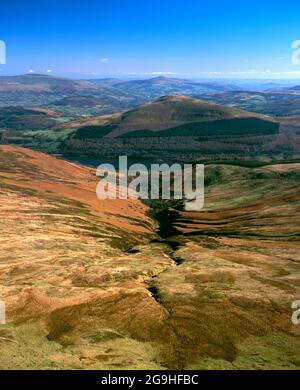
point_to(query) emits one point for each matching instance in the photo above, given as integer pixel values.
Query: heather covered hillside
(92, 284)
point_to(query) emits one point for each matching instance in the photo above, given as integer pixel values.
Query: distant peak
(169, 98)
(37, 75)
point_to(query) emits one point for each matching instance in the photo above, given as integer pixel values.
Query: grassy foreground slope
(62, 248)
(78, 295)
(239, 270)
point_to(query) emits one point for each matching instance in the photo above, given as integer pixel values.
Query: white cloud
(104, 60)
(214, 73)
(162, 73)
(49, 70)
(31, 71)
(150, 73)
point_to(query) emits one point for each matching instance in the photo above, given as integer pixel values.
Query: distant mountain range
(276, 103)
(164, 84)
(45, 83)
(42, 83)
(147, 118)
(295, 89)
(82, 98)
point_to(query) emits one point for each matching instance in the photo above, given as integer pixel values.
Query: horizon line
(168, 75)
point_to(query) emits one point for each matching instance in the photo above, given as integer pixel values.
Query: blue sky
(249, 39)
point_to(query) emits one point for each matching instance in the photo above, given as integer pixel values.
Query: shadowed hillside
(177, 126)
(20, 118)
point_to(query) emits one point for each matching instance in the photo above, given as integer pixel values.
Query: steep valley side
(90, 284)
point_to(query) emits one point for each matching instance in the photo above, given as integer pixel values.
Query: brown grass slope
(164, 113)
(39, 83)
(76, 300)
(181, 128)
